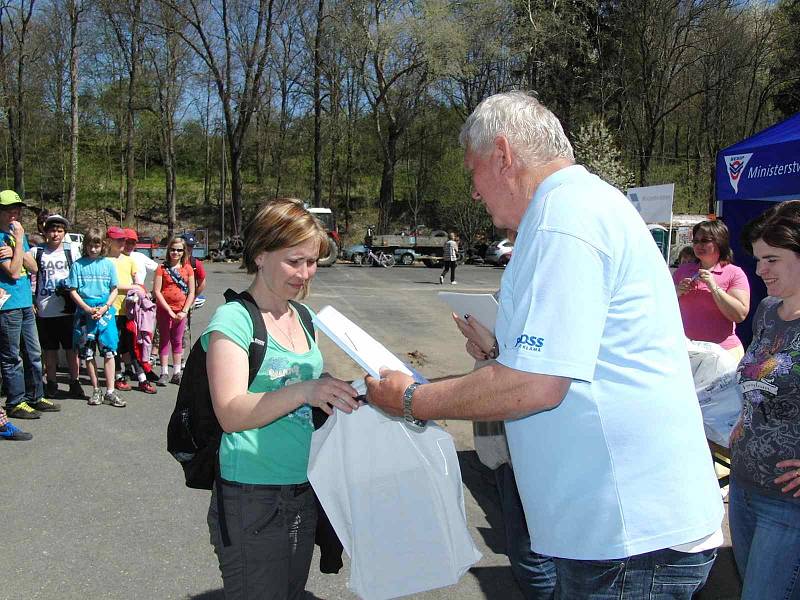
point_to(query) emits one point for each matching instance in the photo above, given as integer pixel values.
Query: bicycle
(381, 258)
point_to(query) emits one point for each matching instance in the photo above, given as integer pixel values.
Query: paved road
(95, 508)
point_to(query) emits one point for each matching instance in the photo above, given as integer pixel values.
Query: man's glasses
(178, 250)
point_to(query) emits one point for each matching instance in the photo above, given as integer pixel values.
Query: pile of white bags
(393, 494)
(714, 372)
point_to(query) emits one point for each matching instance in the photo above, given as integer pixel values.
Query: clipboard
(483, 307)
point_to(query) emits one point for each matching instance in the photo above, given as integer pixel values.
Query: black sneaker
(22, 411)
(51, 389)
(44, 405)
(76, 391)
(10, 432)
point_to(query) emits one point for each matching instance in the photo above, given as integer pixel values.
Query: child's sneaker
(146, 387)
(122, 384)
(97, 397)
(44, 405)
(163, 380)
(10, 432)
(112, 399)
(176, 378)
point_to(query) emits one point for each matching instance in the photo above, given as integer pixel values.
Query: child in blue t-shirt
(93, 286)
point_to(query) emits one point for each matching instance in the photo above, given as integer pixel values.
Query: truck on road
(408, 248)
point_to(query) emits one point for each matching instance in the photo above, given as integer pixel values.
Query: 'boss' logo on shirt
(529, 342)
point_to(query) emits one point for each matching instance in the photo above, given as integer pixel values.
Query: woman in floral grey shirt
(765, 444)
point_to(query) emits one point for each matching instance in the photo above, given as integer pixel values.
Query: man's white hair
(534, 133)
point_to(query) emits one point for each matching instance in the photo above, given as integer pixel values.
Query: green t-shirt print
(276, 453)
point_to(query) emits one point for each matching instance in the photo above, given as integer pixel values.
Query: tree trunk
(318, 108)
(236, 189)
(387, 182)
(72, 192)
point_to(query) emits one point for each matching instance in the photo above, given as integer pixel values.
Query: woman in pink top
(713, 293)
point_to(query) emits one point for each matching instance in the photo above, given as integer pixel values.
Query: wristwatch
(407, 415)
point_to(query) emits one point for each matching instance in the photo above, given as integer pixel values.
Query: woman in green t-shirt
(268, 504)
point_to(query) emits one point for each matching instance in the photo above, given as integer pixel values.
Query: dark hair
(782, 231)
(754, 230)
(41, 218)
(718, 232)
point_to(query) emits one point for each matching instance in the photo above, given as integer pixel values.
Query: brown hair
(280, 223)
(184, 256)
(687, 252)
(717, 231)
(754, 230)
(783, 230)
(92, 235)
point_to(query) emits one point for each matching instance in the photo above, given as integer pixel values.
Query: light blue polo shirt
(621, 466)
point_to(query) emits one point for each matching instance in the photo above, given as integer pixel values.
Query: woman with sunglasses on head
(713, 293)
(173, 289)
(764, 505)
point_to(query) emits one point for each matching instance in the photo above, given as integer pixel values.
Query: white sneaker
(441, 279)
(453, 283)
(96, 398)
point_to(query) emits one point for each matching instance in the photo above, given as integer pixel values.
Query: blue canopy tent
(751, 175)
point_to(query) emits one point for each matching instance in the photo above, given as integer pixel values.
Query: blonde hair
(278, 224)
(185, 255)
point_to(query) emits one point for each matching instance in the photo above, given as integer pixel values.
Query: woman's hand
(686, 284)
(480, 340)
(791, 478)
(706, 277)
(327, 393)
(179, 316)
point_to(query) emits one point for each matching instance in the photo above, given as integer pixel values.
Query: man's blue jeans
(22, 379)
(765, 532)
(655, 575)
(535, 573)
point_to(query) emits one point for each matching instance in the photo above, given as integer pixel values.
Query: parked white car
(499, 253)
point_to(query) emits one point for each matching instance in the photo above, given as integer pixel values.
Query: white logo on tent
(736, 164)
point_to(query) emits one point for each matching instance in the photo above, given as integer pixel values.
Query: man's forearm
(492, 393)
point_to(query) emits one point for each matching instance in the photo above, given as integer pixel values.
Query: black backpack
(194, 433)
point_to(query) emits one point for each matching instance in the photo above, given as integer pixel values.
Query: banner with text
(653, 202)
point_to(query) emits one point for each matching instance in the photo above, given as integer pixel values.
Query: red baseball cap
(131, 234)
(116, 233)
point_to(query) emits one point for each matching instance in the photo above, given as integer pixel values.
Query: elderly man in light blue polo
(592, 375)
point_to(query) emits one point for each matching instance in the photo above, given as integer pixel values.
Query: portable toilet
(661, 237)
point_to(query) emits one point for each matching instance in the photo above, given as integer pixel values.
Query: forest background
(167, 114)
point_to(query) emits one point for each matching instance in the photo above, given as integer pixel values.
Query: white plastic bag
(715, 380)
(393, 494)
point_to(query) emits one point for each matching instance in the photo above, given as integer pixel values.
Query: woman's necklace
(286, 334)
